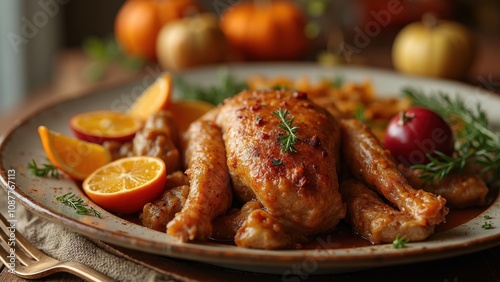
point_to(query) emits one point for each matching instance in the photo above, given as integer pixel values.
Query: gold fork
(25, 260)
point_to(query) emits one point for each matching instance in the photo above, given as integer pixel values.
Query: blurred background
(51, 46)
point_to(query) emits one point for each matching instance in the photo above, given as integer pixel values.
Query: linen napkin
(64, 245)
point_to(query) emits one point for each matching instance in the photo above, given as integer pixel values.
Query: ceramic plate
(39, 194)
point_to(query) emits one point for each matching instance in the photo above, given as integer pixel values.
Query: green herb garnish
(78, 204)
(279, 87)
(474, 142)
(338, 81)
(226, 87)
(400, 242)
(359, 114)
(47, 169)
(487, 225)
(288, 140)
(486, 216)
(104, 52)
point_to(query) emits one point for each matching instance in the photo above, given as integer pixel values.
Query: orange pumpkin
(266, 30)
(138, 22)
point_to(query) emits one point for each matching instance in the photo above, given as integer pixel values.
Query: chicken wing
(461, 190)
(369, 162)
(157, 214)
(210, 192)
(159, 138)
(376, 221)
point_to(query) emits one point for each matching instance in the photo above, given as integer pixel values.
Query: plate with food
(268, 167)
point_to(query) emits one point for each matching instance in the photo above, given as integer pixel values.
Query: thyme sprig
(288, 140)
(474, 141)
(47, 169)
(78, 204)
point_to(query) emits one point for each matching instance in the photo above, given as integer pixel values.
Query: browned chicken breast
(299, 189)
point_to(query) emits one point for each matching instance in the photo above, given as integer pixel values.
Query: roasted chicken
(243, 183)
(240, 140)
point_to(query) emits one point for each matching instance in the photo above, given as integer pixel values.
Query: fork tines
(15, 248)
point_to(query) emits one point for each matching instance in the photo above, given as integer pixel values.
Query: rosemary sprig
(474, 142)
(47, 169)
(400, 242)
(288, 140)
(78, 204)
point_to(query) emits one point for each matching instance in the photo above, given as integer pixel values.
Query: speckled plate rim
(463, 239)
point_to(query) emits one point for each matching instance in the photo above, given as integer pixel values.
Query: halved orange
(155, 98)
(184, 112)
(127, 184)
(75, 157)
(101, 126)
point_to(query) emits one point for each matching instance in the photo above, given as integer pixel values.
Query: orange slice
(75, 157)
(127, 184)
(185, 112)
(155, 98)
(101, 126)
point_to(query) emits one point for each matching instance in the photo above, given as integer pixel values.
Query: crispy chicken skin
(376, 221)
(298, 189)
(226, 226)
(159, 138)
(461, 190)
(262, 231)
(157, 214)
(370, 163)
(210, 191)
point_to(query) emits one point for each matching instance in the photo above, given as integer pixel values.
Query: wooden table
(480, 266)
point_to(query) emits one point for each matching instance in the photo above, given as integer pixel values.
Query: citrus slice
(127, 184)
(75, 157)
(184, 112)
(155, 98)
(101, 126)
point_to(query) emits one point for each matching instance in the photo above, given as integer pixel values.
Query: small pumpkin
(190, 42)
(434, 47)
(138, 22)
(266, 30)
